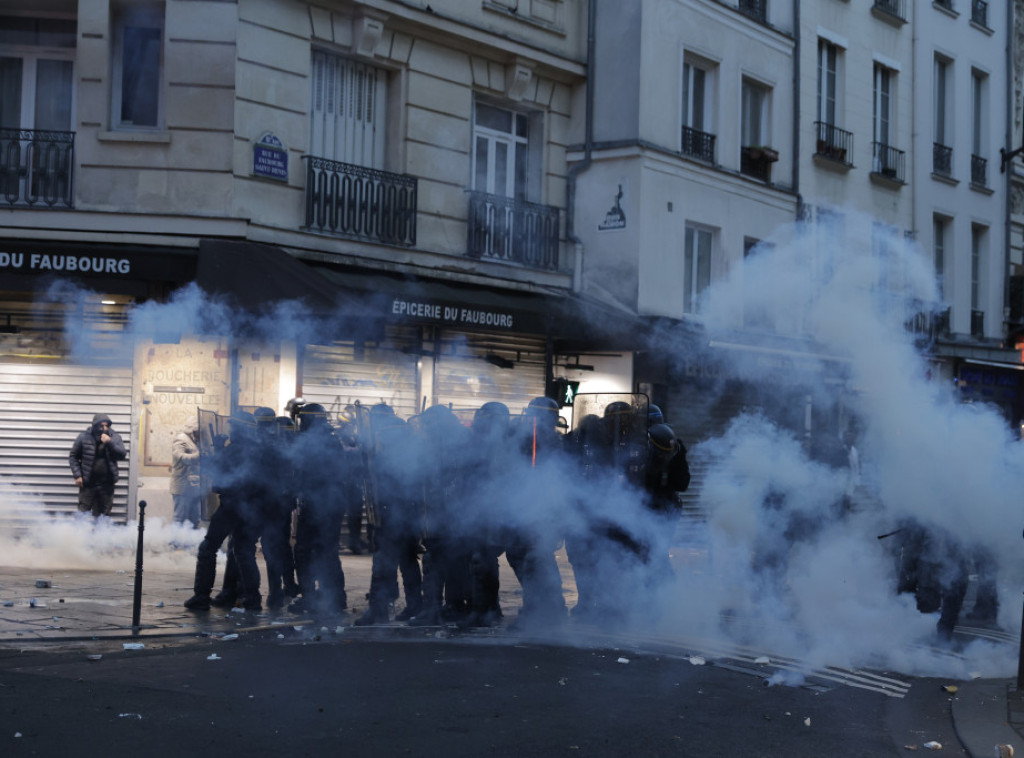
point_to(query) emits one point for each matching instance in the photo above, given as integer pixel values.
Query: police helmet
(654, 415)
(241, 424)
(381, 409)
(292, 406)
(618, 408)
(285, 424)
(493, 410)
(662, 438)
(541, 406)
(310, 415)
(264, 417)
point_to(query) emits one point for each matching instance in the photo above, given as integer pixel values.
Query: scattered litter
(764, 660)
(32, 602)
(975, 675)
(61, 600)
(121, 571)
(297, 628)
(339, 629)
(623, 660)
(160, 604)
(280, 636)
(910, 747)
(933, 745)
(17, 734)
(43, 583)
(323, 630)
(8, 603)
(1004, 751)
(56, 619)
(951, 688)
(563, 681)
(697, 660)
(93, 657)
(227, 637)
(213, 657)
(238, 610)
(807, 721)
(130, 716)
(133, 646)
(51, 626)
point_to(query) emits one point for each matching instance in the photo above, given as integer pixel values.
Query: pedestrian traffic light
(563, 390)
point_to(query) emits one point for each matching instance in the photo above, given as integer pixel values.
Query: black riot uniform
(441, 444)
(391, 509)
(236, 482)
(490, 458)
(535, 530)
(320, 464)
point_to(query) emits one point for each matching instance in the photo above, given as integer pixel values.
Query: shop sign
(63, 262)
(452, 314)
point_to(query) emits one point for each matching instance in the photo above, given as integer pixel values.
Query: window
(978, 243)
(882, 105)
(979, 146)
(137, 67)
(942, 98)
(348, 111)
(696, 267)
(940, 225)
(756, 312)
(504, 159)
(828, 55)
(35, 84)
(756, 99)
(698, 141)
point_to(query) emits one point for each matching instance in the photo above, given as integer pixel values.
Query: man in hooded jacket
(93, 460)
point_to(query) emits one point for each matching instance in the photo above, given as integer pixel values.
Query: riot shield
(610, 430)
(213, 434)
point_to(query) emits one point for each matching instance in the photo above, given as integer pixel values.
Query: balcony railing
(888, 162)
(979, 171)
(979, 12)
(37, 168)
(755, 9)
(927, 322)
(977, 324)
(361, 203)
(947, 4)
(698, 144)
(513, 231)
(834, 143)
(757, 162)
(942, 159)
(892, 8)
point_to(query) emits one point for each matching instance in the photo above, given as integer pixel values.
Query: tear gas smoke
(784, 560)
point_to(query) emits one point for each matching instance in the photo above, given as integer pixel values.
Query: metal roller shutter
(467, 373)
(43, 408)
(342, 373)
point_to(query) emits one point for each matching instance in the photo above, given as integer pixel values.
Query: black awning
(250, 275)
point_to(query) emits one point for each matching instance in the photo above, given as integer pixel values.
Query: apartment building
(398, 167)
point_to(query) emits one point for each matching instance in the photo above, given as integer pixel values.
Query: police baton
(137, 603)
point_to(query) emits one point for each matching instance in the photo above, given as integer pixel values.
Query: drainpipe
(588, 144)
(1008, 141)
(796, 108)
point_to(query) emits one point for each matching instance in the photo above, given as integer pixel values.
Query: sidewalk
(987, 713)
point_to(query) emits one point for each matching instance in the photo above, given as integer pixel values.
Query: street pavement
(580, 691)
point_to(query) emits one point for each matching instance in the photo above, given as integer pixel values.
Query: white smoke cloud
(781, 563)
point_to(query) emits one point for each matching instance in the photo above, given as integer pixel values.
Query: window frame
(691, 67)
(882, 99)
(145, 16)
(748, 89)
(523, 156)
(696, 281)
(942, 94)
(828, 93)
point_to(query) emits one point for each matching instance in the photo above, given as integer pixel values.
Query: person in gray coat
(93, 460)
(184, 484)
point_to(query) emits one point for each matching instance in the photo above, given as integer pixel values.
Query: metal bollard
(137, 604)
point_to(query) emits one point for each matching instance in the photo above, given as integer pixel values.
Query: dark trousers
(227, 521)
(97, 499)
(397, 552)
(317, 563)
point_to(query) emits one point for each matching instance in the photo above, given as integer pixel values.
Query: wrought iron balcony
(926, 322)
(512, 231)
(892, 8)
(37, 168)
(698, 144)
(979, 12)
(755, 9)
(942, 159)
(888, 162)
(757, 162)
(979, 171)
(360, 203)
(834, 143)
(977, 323)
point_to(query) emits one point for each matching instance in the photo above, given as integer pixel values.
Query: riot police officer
(536, 533)
(320, 463)
(234, 480)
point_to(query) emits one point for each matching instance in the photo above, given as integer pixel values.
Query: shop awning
(250, 276)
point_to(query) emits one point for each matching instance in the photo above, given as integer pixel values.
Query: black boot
(223, 600)
(198, 602)
(376, 614)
